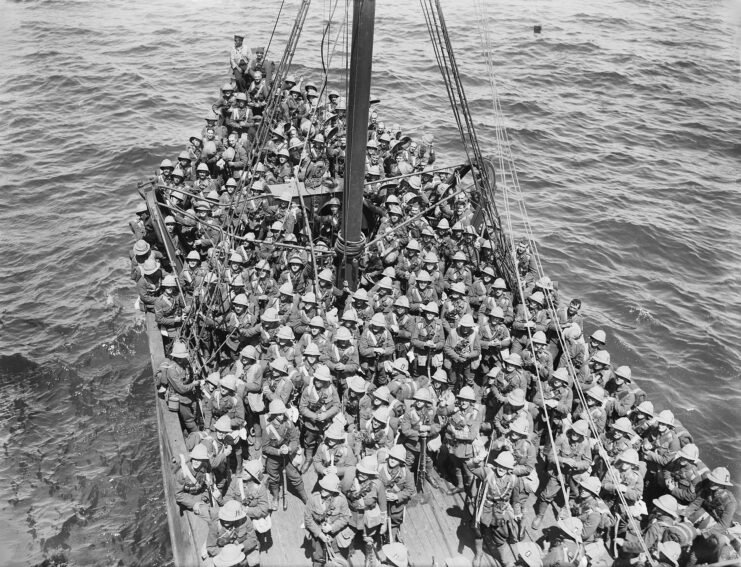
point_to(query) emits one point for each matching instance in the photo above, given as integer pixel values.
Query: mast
(351, 241)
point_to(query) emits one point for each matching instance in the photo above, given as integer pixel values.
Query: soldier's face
(311, 360)
(238, 42)
(393, 463)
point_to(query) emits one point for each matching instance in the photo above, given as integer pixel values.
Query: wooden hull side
(185, 528)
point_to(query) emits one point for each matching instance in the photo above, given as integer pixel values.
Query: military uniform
(275, 436)
(333, 512)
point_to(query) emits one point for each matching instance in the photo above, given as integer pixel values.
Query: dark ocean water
(625, 124)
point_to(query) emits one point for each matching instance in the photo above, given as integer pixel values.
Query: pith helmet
(330, 482)
(599, 336)
(423, 395)
(596, 393)
(317, 321)
(539, 338)
(668, 504)
(381, 414)
(285, 333)
(398, 452)
(169, 281)
(424, 276)
(514, 359)
(601, 357)
(689, 452)
(629, 457)
(581, 427)
(572, 527)
(506, 460)
(253, 468)
(277, 407)
(467, 321)
(231, 555)
(214, 378)
(249, 352)
(431, 307)
(199, 453)
(223, 424)
(241, 299)
(396, 554)
(378, 320)
(666, 417)
(458, 287)
(499, 284)
(141, 247)
(402, 301)
(671, 550)
(592, 484)
(440, 376)
(520, 426)
(321, 372)
(229, 382)
(179, 350)
(382, 393)
(516, 397)
(357, 384)
(537, 297)
(232, 511)
(467, 393)
(343, 334)
(624, 373)
(368, 465)
(335, 432)
(623, 424)
(312, 350)
(720, 475)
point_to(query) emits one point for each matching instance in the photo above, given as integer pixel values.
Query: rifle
(209, 487)
(285, 483)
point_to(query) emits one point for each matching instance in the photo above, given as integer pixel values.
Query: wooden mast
(351, 241)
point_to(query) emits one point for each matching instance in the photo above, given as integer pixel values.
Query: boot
(459, 487)
(274, 499)
(540, 508)
(308, 459)
(479, 548)
(370, 553)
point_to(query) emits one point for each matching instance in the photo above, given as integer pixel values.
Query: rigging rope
(507, 166)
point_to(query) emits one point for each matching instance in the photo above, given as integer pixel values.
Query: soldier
(664, 517)
(642, 418)
(552, 401)
(280, 447)
(682, 475)
(566, 549)
(619, 438)
(620, 391)
(317, 334)
(233, 527)
(597, 372)
(498, 507)
(715, 503)
(179, 379)
(148, 285)
(169, 309)
(462, 428)
(398, 482)
(421, 292)
(325, 516)
(595, 410)
(248, 489)
(427, 338)
(630, 471)
(220, 446)
(276, 384)
(514, 408)
(495, 339)
(517, 440)
(377, 435)
(356, 389)
(443, 397)
(594, 514)
(319, 404)
(401, 386)
(572, 454)
(402, 326)
(463, 350)
(225, 402)
(659, 447)
(341, 357)
(530, 317)
(501, 298)
(334, 456)
(376, 345)
(242, 323)
(366, 498)
(192, 492)
(511, 378)
(418, 426)
(458, 272)
(456, 307)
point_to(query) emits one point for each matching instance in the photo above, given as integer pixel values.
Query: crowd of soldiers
(432, 375)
